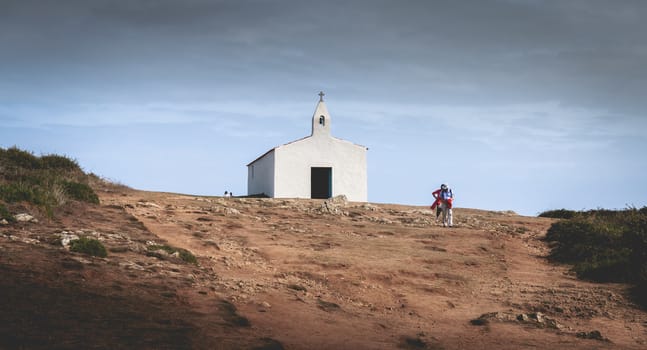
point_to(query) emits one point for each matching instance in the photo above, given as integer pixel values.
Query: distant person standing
(444, 200)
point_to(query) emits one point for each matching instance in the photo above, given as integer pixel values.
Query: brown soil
(298, 274)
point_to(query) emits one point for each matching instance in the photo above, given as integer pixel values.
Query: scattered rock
(497, 316)
(159, 253)
(327, 306)
(232, 211)
(66, 238)
(129, 265)
(335, 205)
(369, 207)
(211, 243)
(536, 319)
(264, 307)
(594, 335)
(297, 287)
(4, 222)
(148, 205)
(24, 217)
(384, 221)
(24, 239)
(339, 200)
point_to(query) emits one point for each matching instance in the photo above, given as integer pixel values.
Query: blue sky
(519, 105)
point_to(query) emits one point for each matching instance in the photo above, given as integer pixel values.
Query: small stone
(148, 205)
(67, 238)
(4, 222)
(479, 322)
(595, 335)
(232, 211)
(24, 217)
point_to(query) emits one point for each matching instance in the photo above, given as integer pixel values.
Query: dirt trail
(302, 274)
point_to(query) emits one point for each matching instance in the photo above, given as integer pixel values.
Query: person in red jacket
(444, 203)
(436, 204)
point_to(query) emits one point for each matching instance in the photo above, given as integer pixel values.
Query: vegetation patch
(80, 192)
(604, 246)
(89, 246)
(53, 161)
(5, 214)
(558, 214)
(48, 181)
(22, 192)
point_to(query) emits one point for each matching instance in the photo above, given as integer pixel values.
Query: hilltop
(295, 274)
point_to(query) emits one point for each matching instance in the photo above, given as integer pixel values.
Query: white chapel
(318, 166)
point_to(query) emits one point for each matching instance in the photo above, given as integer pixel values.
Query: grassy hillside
(47, 182)
(603, 245)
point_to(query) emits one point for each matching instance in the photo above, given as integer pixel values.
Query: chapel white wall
(347, 160)
(260, 175)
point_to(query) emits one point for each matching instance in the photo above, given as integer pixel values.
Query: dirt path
(298, 274)
(366, 276)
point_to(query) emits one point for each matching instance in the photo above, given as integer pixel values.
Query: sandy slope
(301, 274)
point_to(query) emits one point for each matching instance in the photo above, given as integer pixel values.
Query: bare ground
(298, 274)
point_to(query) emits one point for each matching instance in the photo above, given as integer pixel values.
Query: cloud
(462, 52)
(538, 127)
(524, 70)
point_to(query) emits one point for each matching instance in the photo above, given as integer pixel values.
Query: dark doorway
(320, 183)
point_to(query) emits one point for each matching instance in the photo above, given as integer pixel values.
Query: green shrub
(5, 214)
(88, 246)
(47, 181)
(558, 214)
(80, 192)
(582, 239)
(610, 265)
(605, 246)
(636, 237)
(53, 161)
(21, 191)
(19, 158)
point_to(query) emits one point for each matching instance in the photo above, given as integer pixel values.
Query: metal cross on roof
(321, 95)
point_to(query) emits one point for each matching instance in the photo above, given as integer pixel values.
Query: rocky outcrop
(536, 319)
(335, 205)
